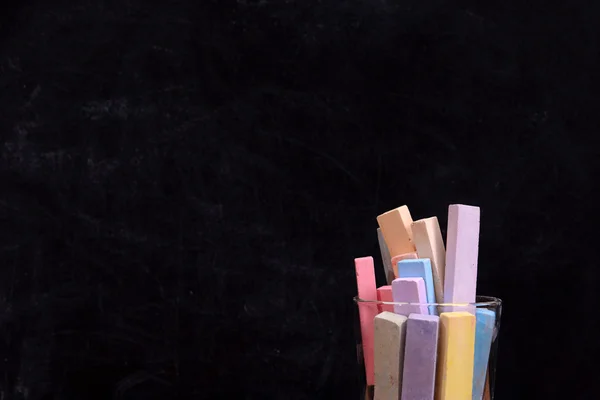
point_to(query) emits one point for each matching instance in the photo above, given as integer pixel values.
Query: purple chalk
(409, 290)
(418, 382)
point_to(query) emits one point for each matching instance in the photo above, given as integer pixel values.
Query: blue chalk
(419, 268)
(484, 330)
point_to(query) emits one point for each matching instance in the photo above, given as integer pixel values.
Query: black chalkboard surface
(185, 185)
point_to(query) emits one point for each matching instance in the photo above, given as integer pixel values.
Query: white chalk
(460, 281)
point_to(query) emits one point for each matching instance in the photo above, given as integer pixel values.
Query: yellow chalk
(456, 352)
(397, 232)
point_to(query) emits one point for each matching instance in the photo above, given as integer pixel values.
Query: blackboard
(186, 183)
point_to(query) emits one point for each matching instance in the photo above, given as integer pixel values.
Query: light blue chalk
(419, 268)
(484, 331)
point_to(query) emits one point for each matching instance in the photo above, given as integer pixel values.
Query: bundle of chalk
(417, 351)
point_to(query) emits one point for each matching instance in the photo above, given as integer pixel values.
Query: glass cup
(366, 310)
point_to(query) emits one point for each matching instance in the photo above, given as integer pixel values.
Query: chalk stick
(428, 240)
(409, 290)
(384, 293)
(390, 336)
(419, 268)
(385, 258)
(400, 257)
(460, 281)
(369, 392)
(484, 330)
(367, 290)
(487, 393)
(456, 348)
(396, 228)
(418, 382)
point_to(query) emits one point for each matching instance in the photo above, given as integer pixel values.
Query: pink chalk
(409, 290)
(384, 293)
(367, 290)
(398, 258)
(462, 248)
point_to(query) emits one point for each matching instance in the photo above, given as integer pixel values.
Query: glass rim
(481, 301)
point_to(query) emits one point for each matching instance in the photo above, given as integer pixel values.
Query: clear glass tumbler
(366, 310)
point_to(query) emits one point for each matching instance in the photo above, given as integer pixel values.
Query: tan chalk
(390, 337)
(429, 242)
(397, 232)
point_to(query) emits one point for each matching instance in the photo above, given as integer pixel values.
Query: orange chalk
(397, 232)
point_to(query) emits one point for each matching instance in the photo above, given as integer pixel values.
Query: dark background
(184, 186)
